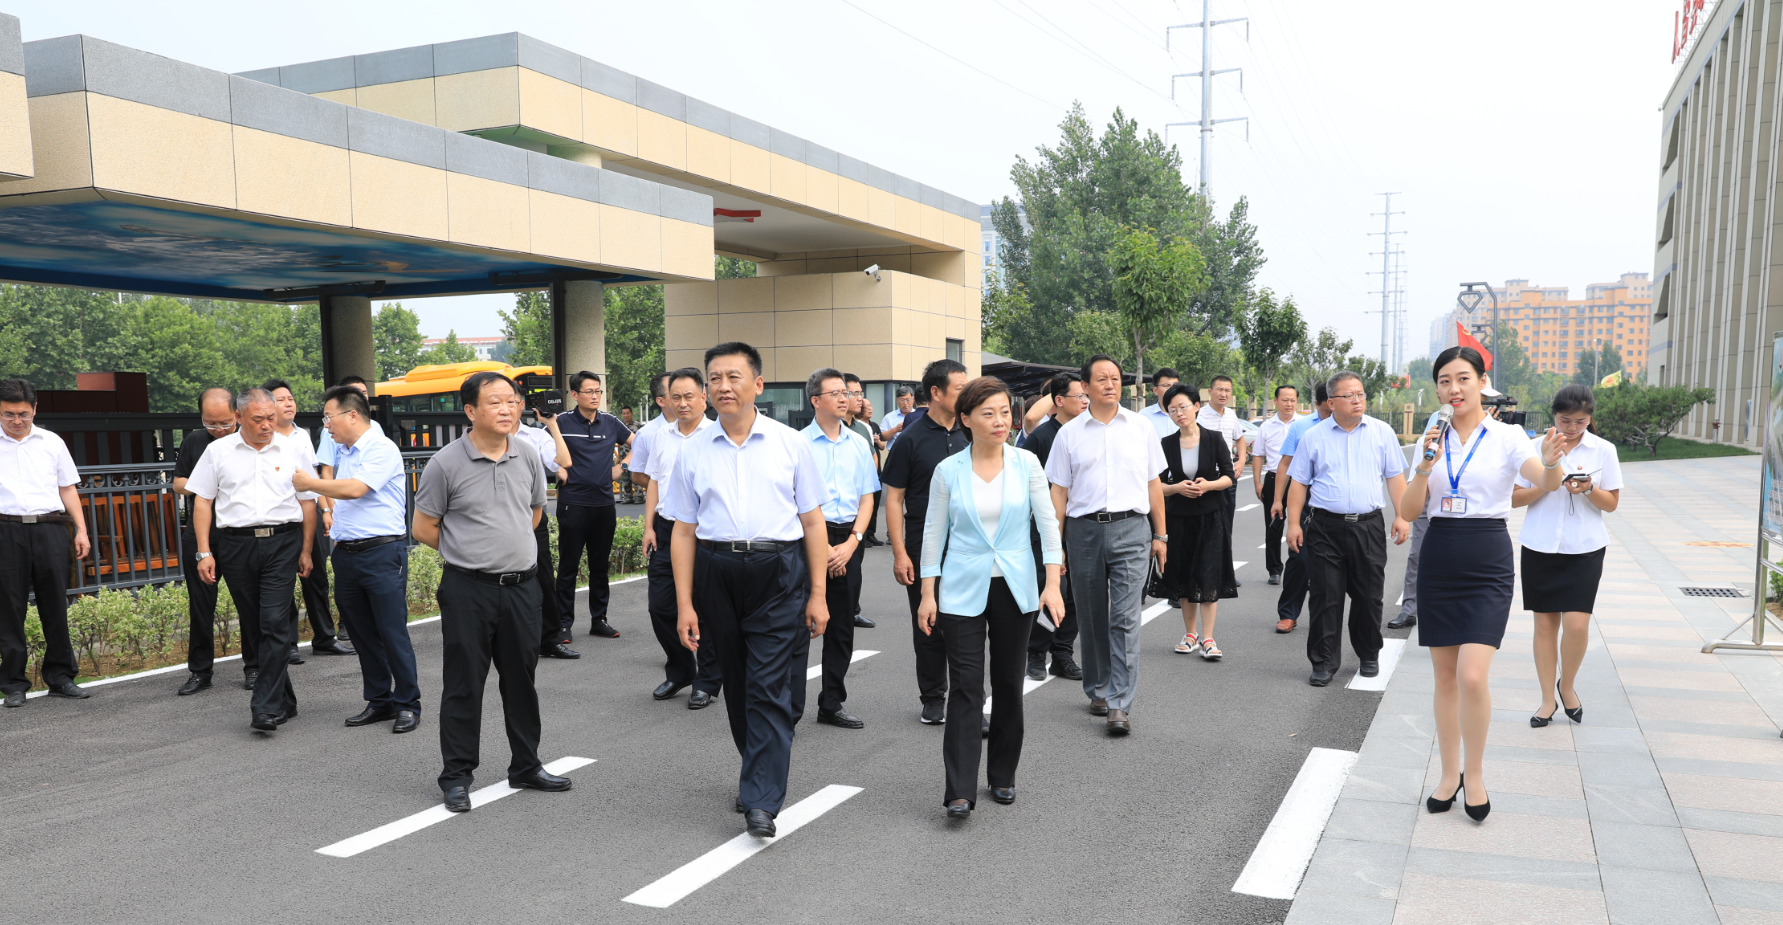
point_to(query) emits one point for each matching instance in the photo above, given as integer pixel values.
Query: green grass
(1672, 448)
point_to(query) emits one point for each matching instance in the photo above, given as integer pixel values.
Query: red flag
(1467, 340)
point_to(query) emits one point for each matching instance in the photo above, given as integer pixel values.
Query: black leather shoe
(604, 630)
(15, 699)
(1401, 622)
(1370, 668)
(458, 799)
(331, 648)
(759, 822)
(699, 700)
(406, 721)
(559, 651)
(863, 622)
(1064, 667)
(282, 718)
(296, 658)
(738, 805)
(839, 717)
(1036, 667)
(1003, 795)
(1275, 578)
(542, 780)
(934, 713)
(248, 678)
(961, 810)
(1237, 584)
(1098, 707)
(1320, 678)
(68, 689)
(265, 722)
(667, 689)
(370, 715)
(194, 684)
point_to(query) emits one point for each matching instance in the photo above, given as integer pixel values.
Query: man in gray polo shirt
(480, 498)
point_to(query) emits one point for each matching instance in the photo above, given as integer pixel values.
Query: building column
(347, 346)
(579, 331)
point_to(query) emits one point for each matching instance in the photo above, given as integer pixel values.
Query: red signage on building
(1684, 23)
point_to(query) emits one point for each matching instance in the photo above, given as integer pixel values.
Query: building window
(955, 348)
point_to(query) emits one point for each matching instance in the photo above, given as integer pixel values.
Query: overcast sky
(1523, 138)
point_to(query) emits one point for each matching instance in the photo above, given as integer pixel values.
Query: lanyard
(1449, 460)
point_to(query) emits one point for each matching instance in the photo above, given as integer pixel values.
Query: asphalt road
(140, 806)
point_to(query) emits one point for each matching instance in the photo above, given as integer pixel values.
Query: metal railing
(133, 524)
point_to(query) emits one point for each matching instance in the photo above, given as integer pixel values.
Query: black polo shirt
(912, 459)
(1039, 440)
(591, 444)
(191, 449)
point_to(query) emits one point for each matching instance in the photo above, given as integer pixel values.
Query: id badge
(1454, 504)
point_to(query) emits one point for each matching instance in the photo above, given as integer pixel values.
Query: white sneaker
(1190, 644)
(1210, 651)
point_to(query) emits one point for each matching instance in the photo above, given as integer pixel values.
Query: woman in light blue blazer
(980, 502)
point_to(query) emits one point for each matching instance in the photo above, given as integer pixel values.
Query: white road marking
(1151, 613)
(1287, 846)
(715, 863)
(1401, 600)
(1028, 687)
(392, 831)
(1262, 545)
(1239, 564)
(816, 671)
(1249, 507)
(1391, 650)
(1146, 616)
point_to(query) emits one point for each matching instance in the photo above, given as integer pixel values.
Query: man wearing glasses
(218, 415)
(1068, 401)
(1339, 467)
(585, 514)
(323, 640)
(38, 502)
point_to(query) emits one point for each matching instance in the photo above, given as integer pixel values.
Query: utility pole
(1387, 287)
(1206, 74)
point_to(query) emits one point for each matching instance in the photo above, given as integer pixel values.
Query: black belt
(261, 532)
(36, 518)
(750, 546)
(496, 578)
(370, 542)
(1349, 518)
(1108, 517)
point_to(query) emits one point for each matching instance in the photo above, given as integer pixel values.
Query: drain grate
(1693, 591)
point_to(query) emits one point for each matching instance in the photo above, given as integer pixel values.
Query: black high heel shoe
(1576, 714)
(1538, 721)
(1432, 804)
(1476, 813)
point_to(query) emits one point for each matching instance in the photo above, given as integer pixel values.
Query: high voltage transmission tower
(1389, 280)
(1206, 74)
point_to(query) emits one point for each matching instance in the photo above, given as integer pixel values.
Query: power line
(956, 60)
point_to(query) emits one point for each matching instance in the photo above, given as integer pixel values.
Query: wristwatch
(201, 556)
(1160, 537)
(859, 537)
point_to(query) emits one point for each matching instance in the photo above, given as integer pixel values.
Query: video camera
(536, 389)
(1505, 404)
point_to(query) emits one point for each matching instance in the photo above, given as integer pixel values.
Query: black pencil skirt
(1466, 582)
(1558, 582)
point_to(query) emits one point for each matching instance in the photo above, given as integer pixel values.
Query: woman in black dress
(1464, 601)
(1198, 571)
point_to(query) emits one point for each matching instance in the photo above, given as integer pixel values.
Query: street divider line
(1029, 685)
(816, 671)
(715, 863)
(1151, 613)
(1391, 650)
(1249, 507)
(389, 832)
(1239, 564)
(1279, 861)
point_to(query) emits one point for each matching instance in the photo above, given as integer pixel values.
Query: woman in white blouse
(1563, 543)
(1465, 588)
(981, 501)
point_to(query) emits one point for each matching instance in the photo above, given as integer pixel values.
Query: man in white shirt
(1270, 437)
(1217, 414)
(1154, 413)
(845, 462)
(38, 503)
(1104, 469)
(684, 410)
(554, 455)
(639, 462)
(323, 639)
(1339, 467)
(747, 499)
(262, 529)
(892, 424)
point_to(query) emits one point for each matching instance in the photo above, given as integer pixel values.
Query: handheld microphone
(1443, 416)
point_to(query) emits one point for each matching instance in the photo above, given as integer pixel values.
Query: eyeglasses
(19, 416)
(1352, 397)
(329, 417)
(1080, 396)
(834, 393)
(592, 393)
(227, 425)
(856, 394)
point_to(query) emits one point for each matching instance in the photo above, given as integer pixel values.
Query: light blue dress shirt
(846, 465)
(755, 491)
(1343, 470)
(1296, 430)
(1160, 420)
(328, 451)
(382, 511)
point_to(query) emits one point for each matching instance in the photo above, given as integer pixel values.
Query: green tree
(179, 350)
(635, 349)
(264, 341)
(1153, 281)
(527, 329)
(448, 351)
(1638, 414)
(396, 340)
(1594, 365)
(732, 267)
(57, 327)
(1266, 333)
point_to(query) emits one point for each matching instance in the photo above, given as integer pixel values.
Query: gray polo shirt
(484, 506)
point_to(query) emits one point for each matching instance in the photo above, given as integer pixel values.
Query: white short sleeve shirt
(1271, 434)
(33, 471)
(1226, 423)
(665, 448)
(249, 487)
(1499, 451)
(1106, 467)
(752, 491)
(1562, 522)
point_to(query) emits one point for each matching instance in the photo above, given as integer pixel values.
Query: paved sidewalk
(1665, 806)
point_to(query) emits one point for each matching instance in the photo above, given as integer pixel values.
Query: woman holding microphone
(1463, 481)
(1563, 542)
(981, 501)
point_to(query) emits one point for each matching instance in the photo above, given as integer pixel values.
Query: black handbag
(1154, 582)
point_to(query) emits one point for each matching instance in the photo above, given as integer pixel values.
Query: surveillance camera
(872, 271)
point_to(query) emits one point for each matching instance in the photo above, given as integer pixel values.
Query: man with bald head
(217, 414)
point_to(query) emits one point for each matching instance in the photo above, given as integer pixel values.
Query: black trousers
(482, 623)
(315, 593)
(1007, 628)
(1058, 641)
(752, 614)
(681, 666)
(551, 629)
(1273, 527)
(1294, 572)
(931, 651)
(371, 589)
(260, 572)
(873, 523)
(842, 596)
(34, 559)
(581, 528)
(201, 615)
(1345, 559)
